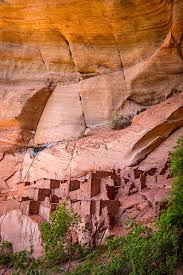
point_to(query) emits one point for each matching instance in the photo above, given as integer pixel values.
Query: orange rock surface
(130, 50)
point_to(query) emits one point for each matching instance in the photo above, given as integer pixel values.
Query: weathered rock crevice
(43, 60)
(179, 47)
(32, 111)
(83, 114)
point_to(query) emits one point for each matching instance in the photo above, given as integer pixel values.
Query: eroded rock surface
(108, 149)
(22, 231)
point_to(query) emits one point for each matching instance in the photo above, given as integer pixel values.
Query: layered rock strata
(103, 55)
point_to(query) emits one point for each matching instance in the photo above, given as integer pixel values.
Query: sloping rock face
(66, 65)
(22, 231)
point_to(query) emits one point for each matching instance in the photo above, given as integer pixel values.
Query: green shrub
(118, 122)
(176, 159)
(154, 253)
(36, 268)
(5, 252)
(55, 235)
(5, 244)
(21, 259)
(172, 219)
(84, 268)
(114, 244)
(5, 259)
(56, 242)
(92, 254)
(118, 265)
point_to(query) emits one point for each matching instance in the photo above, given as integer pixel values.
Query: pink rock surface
(22, 231)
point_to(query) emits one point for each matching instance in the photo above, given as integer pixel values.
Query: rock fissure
(43, 60)
(83, 114)
(177, 44)
(69, 48)
(10, 177)
(118, 50)
(2, 157)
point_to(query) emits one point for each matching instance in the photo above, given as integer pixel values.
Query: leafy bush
(36, 267)
(5, 259)
(5, 252)
(118, 122)
(55, 235)
(84, 268)
(19, 261)
(4, 245)
(114, 244)
(154, 253)
(176, 160)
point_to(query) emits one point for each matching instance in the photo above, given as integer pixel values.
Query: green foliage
(118, 122)
(117, 265)
(5, 252)
(5, 244)
(84, 269)
(150, 253)
(176, 159)
(92, 255)
(36, 268)
(113, 265)
(172, 219)
(5, 259)
(55, 235)
(21, 259)
(114, 244)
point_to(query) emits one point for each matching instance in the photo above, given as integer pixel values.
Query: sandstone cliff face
(65, 67)
(105, 55)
